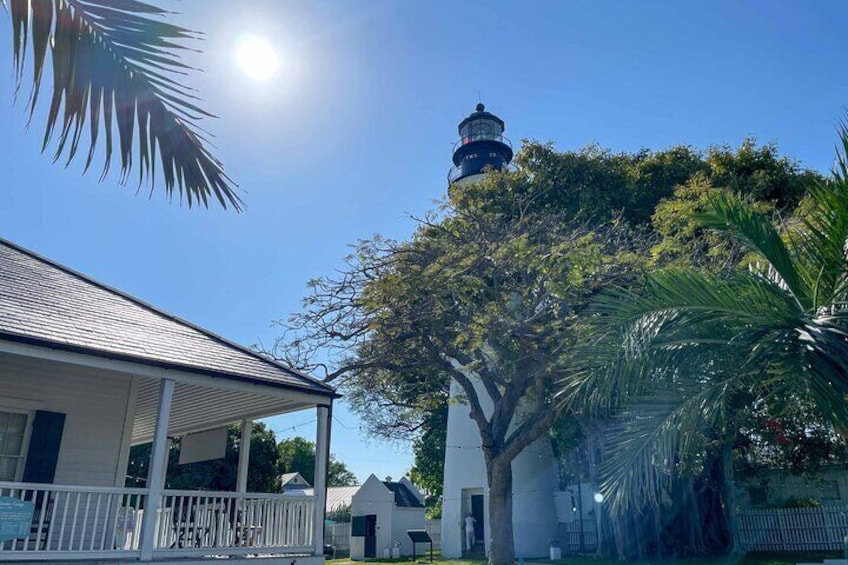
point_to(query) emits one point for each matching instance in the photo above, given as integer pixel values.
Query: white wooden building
(381, 513)
(86, 372)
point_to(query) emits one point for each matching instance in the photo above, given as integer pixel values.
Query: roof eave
(323, 390)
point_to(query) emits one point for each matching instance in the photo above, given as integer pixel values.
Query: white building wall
(373, 498)
(404, 519)
(95, 404)
(534, 482)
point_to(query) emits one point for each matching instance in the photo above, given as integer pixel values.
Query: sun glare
(257, 58)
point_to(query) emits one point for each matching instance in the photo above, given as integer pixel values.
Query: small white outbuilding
(381, 513)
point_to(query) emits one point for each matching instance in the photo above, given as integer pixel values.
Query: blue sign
(15, 518)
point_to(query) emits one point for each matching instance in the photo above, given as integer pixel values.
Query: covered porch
(76, 416)
(87, 372)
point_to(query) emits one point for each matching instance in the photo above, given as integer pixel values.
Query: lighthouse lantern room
(481, 145)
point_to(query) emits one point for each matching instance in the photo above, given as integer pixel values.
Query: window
(13, 427)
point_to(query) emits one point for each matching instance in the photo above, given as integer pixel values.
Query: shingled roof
(43, 303)
(403, 496)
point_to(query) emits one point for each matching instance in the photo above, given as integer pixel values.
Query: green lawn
(750, 559)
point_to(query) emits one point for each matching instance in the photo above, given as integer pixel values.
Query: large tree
(687, 358)
(489, 293)
(115, 66)
(482, 295)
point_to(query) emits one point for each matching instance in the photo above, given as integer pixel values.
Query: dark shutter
(357, 526)
(44, 442)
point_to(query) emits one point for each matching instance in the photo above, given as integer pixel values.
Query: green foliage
(801, 502)
(428, 469)
(297, 455)
(493, 288)
(434, 508)
(268, 460)
(217, 474)
(590, 185)
(760, 174)
(788, 434)
(340, 514)
(685, 359)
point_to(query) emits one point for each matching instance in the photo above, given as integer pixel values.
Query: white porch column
(244, 455)
(156, 470)
(322, 457)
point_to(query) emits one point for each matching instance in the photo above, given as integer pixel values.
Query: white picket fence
(794, 529)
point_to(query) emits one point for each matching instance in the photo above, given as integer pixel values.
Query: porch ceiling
(196, 408)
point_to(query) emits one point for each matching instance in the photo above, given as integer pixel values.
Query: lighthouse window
(470, 156)
(482, 127)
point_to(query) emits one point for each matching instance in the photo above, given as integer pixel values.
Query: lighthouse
(465, 492)
(481, 146)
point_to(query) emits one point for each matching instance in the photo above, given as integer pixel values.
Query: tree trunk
(729, 492)
(501, 545)
(603, 522)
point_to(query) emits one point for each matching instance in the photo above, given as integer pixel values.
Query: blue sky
(354, 134)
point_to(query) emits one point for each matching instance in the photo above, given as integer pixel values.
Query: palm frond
(729, 214)
(660, 436)
(694, 296)
(678, 323)
(674, 360)
(115, 65)
(821, 239)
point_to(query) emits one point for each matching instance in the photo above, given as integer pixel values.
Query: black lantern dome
(481, 144)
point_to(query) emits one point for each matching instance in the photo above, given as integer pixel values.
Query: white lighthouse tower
(465, 491)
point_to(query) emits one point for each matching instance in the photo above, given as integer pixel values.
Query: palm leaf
(660, 435)
(115, 65)
(680, 321)
(756, 230)
(821, 238)
(692, 296)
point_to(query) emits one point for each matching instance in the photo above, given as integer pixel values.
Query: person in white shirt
(469, 531)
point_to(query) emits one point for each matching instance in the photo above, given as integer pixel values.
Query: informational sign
(15, 518)
(420, 536)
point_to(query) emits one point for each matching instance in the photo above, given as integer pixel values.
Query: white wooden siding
(94, 401)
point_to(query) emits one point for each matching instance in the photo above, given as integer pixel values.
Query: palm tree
(675, 362)
(115, 63)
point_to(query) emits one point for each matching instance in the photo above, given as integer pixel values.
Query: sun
(257, 58)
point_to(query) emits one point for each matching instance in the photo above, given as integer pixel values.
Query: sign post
(420, 536)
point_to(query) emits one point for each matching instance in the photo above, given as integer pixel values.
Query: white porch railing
(73, 522)
(204, 523)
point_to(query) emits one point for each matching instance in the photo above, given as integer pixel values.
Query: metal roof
(46, 304)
